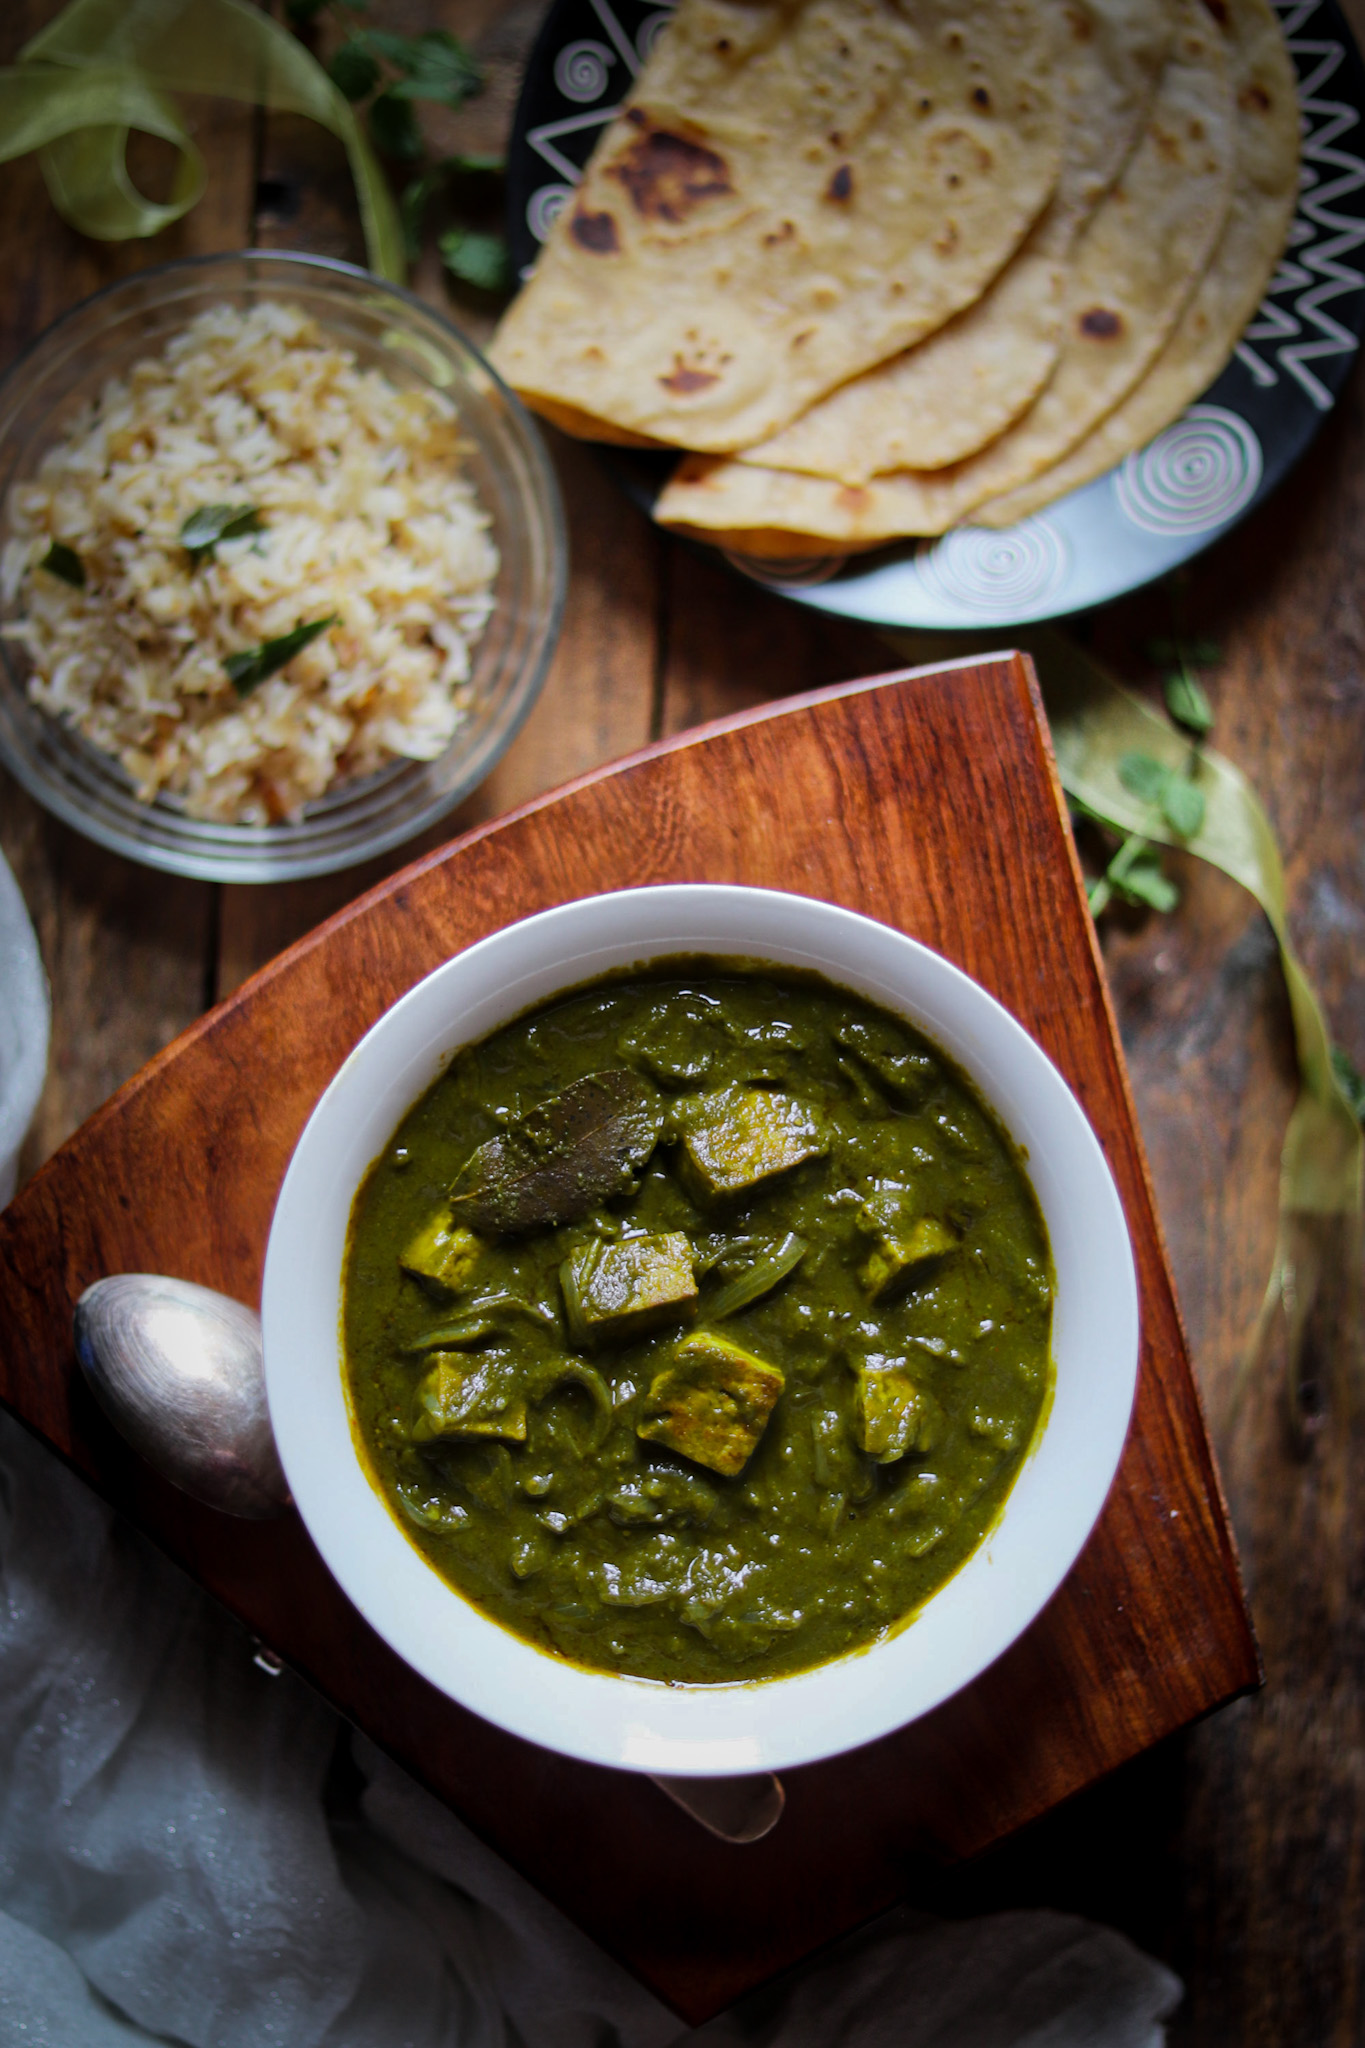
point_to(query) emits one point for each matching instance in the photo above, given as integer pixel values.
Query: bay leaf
(565, 1156)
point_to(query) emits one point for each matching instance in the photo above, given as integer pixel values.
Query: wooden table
(1236, 1851)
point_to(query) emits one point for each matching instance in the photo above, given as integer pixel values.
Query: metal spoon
(179, 1371)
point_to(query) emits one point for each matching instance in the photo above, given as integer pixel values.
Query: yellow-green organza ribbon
(1094, 723)
(104, 67)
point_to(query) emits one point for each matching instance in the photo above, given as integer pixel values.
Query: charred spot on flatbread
(668, 176)
(840, 185)
(1100, 323)
(596, 231)
(685, 378)
(1254, 99)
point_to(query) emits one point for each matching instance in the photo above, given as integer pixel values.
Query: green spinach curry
(697, 1323)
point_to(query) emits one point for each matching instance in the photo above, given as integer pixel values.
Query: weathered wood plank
(1274, 1806)
(729, 644)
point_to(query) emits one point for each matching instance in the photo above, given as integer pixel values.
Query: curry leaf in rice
(254, 664)
(64, 562)
(208, 524)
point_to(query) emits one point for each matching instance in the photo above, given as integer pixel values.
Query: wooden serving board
(928, 800)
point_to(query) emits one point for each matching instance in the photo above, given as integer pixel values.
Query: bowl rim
(255, 854)
(754, 1724)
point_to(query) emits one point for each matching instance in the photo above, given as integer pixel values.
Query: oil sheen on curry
(697, 1324)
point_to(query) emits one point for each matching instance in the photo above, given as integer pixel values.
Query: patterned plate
(1157, 508)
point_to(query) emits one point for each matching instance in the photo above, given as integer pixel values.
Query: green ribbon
(1094, 723)
(104, 67)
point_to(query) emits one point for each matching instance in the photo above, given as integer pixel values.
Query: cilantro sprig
(386, 76)
(1136, 875)
(476, 258)
(392, 71)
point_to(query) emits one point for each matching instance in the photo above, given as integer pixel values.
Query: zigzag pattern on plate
(1312, 267)
(582, 73)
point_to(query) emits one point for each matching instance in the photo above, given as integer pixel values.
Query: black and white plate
(1157, 508)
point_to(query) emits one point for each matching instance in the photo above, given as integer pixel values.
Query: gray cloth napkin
(170, 1870)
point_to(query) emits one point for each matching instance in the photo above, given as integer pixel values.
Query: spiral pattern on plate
(995, 574)
(1195, 476)
(650, 29)
(581, 71)
(544, 208)
(783, 572)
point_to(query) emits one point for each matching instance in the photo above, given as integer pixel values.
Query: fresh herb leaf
(1182, 805)
(1187, 703)
(476, 258)
(62, 561)
(1143, 882)
(420, 191)
(394, 128)
(475, 163)
(202, 530)
(435, 65)
(353, 71)
(1350, 1081)
(1144, 776)
(254, 664)
(1135, 876)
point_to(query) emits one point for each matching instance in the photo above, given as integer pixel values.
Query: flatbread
(1135, 268)
(795, 190)
(939, 402)
(1264, 193)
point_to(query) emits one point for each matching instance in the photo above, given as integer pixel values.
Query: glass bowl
(388, 329)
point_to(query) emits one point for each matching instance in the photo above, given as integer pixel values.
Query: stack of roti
(881, 266)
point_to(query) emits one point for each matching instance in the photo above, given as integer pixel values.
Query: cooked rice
(366, 514)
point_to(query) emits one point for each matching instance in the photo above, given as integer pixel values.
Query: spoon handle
(733, 1809)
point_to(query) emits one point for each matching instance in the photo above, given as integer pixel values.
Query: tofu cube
(616, 1292)
(907, 1252)
(741, 1137)
(442, 1256)
(891, 1414)
(712, 1403)
(469, 1394)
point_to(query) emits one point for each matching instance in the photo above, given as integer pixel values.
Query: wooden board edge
(394, 884)
(1232, 1556)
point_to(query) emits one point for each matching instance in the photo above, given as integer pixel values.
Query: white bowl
(762, 1724)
